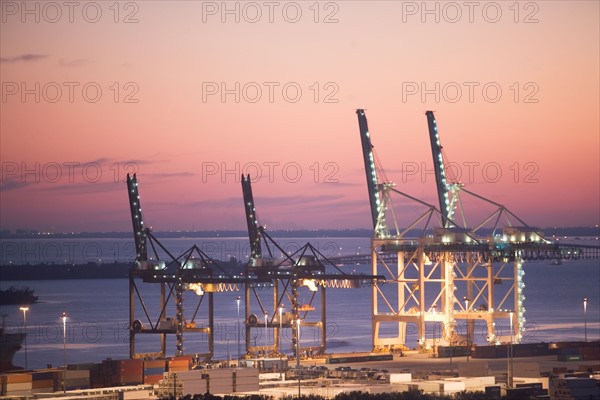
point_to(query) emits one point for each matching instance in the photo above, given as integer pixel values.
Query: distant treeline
(409, 395)
(306, 233)
(14, 295)
(90, 270)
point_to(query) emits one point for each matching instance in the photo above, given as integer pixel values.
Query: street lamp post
(467, 312)
(237, 300)
(510, 352)
(434, 307)
(451, 354)
(266, 332)
(25, 309)
(298, 354)
(280, 325)
(63, 316)
(227, 345)
(585, 300)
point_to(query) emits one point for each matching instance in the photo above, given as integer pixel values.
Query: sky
(189, 95)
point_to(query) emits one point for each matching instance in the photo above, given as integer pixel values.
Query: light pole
(237, 300)
(280, 325)
(63, 316)
(584, 319)
(227, 345)
(434, 307)
(266, 333)
(467, 313)
(25, 309)
(298, 354)
(510, 350)
(452, 333)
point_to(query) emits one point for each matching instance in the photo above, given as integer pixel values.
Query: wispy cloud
(83, 188)
(12, 185)
(74, 63)
(294, 200)
(342, 184)
(76, 177)
(263, 202)
(23, 58)
(167, 175)
(141, 162)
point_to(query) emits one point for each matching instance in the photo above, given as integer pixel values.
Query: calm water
(98, 310)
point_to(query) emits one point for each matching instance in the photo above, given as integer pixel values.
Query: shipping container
(135, 394)
(247, 388)
(151, 364)
(153, 371)
(11, 387)
(190, 375)
(519, 393)
(152, 379)
(196, 386)
(568, 351)
(85, 366)
(451, 351)
(493, 393)
(15, 378)
(570, 358)
(46, 383)
(42, 376)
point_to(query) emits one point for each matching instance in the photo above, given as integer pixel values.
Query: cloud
(74, 63)
(23, 58)
(293, 200)
(12, 185)
(140, 162)
(83, 188)
(343, 184)
(263, 202)
(167, 175)
(75, 177)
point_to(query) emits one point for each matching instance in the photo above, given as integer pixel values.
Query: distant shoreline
(34, 272)
(281, 233)
(91, 270)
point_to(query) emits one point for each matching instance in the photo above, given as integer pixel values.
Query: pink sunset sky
(190, 94)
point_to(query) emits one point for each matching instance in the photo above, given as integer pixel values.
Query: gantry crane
(482, 270)
(305, 270)
(192, 274)
(406, 305)
(445, 263)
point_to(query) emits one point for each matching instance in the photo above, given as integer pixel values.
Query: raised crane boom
(253, 228)
(369, 160)
(446, 208)
(139, 231)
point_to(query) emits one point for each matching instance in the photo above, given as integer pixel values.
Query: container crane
(391, 309)
(445, 274)
(514, 241)
(306, 268)
(193, 270)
